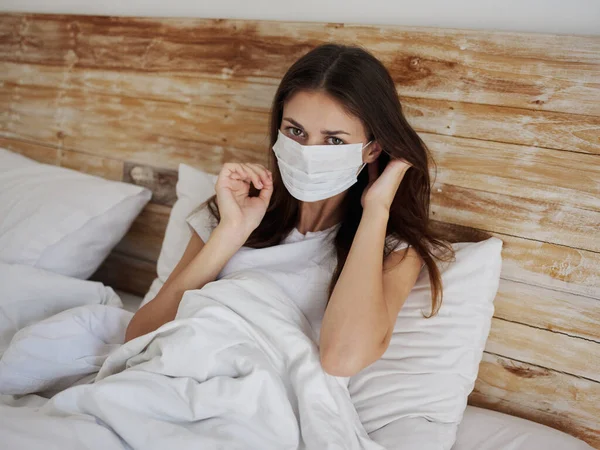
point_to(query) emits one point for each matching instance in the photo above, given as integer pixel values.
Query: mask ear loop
(364, 164)
(360, 170)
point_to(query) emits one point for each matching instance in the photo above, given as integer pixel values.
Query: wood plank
(108, 168)
(103, 167)
(504, 124)
(546, 176)
(547, 309)
(143, 131)
(126, 273)
(144, 238)
(37, 152)
(166, 87)
(549, 73)
(37, 109)
(490, 123)
(565, 402)
(515, 216)
(537, 263)
(554, 266)
(545, 348)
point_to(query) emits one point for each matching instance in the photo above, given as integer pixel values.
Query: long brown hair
(362, 84)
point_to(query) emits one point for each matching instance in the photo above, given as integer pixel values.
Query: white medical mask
(316, 172)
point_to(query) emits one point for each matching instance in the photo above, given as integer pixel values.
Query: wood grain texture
(111, 169)
(537, 263)
(126, 273)
(144, 238)
(40, 153)
(553, 73)
(547, 309)
(546, 222)
(131, 129)
(544, 348)
(452, 118)
(512, 120)
(556, 399)
(544, 180)
(541, 175)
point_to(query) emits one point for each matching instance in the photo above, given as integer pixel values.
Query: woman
(335, 111)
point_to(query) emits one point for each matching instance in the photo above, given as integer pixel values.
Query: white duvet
(235, 369)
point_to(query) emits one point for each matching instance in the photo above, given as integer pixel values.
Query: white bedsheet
(234, 370)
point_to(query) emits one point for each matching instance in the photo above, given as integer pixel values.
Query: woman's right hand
(237, 209)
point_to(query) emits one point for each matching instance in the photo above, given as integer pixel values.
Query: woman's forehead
(316, 111)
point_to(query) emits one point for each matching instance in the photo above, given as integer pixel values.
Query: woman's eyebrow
(293, 122)
(327, 132)
(334, 132)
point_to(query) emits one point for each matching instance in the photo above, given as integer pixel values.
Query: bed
(512, 119)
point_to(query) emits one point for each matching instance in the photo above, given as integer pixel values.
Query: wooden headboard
(513, 121)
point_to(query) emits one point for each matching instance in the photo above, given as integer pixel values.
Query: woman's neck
(321, 215)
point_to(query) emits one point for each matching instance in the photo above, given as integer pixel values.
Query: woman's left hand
(381, 189)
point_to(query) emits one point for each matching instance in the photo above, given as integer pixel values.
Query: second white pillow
(431, 365)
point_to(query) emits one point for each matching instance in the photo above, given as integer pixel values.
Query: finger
(265, 193)
(254, 176)
(234, 171)
(263, 173)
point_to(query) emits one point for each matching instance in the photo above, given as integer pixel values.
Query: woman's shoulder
(395, 244)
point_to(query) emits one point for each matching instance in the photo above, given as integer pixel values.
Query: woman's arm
(199, 265)
(361, 314)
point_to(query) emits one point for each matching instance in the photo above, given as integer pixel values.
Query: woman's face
(316, 118)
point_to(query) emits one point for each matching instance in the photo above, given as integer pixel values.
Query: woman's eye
(295, 131)
(335, 141)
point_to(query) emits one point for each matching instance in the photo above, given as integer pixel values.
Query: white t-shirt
(302, 265)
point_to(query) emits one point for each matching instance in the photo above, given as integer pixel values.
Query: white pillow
(483, 429)
(59, 219)
(28, 295)
(480, 429)
(416, 433)
(431, 364)
(194, 187)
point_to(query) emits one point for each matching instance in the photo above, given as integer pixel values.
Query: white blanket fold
(237, 368)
